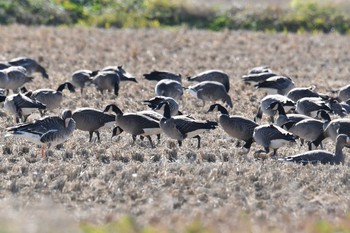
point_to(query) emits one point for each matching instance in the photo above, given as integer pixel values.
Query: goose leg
(274, 152)
(133, 139)
(248, 144)
(150, 141)
(90, 134)
(43, 151)
(199, 141)
(98, 136)
(158, 138)
(258, 115)
(180, 142)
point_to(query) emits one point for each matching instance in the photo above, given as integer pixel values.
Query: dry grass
(169, 186)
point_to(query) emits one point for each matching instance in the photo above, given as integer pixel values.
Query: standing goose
(212, 75)
(155, 101)
(169, 88)
(236, 126)
(181, 127)
(256, 78)
(276, 85)
(310, 130)
(272, 136)
(16, 78)
(107, 80)
(283, 118)
(21, 106)
(321, 156)
(123, 75)
(30, 65)
(265, 106)
(300, 92)
(309, 106)
(160, 75)
(210, 91)
(51, 98)
(50, 130)
(135, 124)
(91, 120)
(81, 78)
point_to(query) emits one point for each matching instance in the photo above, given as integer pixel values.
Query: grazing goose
(236, 126)
(123, 75)
(81, 78)
(21, 106)
(107, 80)
(181, 127)
(155, 101)
(160, 75)
(276, 85)
(272, 136)
(309, 106)
(210, 91)
(30, 65)
(297, 93)
(169, 88)
(336, 107)
(16, 78)
(256, 78)
(4, 65)
(267, 101)
(91, 120)
(51, 98)
(283, 118)
(310, 130)
(135, 124)
(321, 156)
(344, 93)
(212, 75)
(259, 70)
(50, 130)
(332, 128)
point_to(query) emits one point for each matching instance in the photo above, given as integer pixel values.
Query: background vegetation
(297, 16)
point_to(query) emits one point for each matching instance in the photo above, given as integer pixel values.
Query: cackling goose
(107, 80)
(21, 106)
(160, 75)
(169, 88)
(155, 101)
(236, 126)
(50, 130)
(256, 78)
(135, 124)
(309, 106)
(297, 93)
(276, 85)
(16, 77)
(272, 136)
(123, 75)
(30, 65)
(81, 78)
(91, 120)
(181, 127)
(321, 156)
(210, 91)
(212, 75)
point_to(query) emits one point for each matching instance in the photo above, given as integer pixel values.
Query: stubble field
(170, 187)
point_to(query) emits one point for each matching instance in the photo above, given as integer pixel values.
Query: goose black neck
(166, 113)
(280, 109)
(222, 109)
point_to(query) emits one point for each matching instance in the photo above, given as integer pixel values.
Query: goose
(297, 93)
(210, 91)
(123, 75)
(256, 78)
(135, 124)
(49, 130)
(21, 106)
(332, 128)
(267, 101)
(160, 75)
(16, 78)
(344, 93)
(30, 65)
(336, 107)
(155, 101)
(283, 118)
(51, 98)
(91, 120)
(169, 88)
(309, 106)
(310, 130)
(212, 75)
(107, 80)
(4, 65)
(346, 105)
(236, 126)
(322, 156)
(181, 127)
(276, 85)
(272, 136)
(81, 78)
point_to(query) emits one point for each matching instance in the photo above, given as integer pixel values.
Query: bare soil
(170, 186)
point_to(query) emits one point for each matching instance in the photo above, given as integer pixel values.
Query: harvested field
(170, 187)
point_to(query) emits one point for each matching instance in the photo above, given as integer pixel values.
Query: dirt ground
(169, 186)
